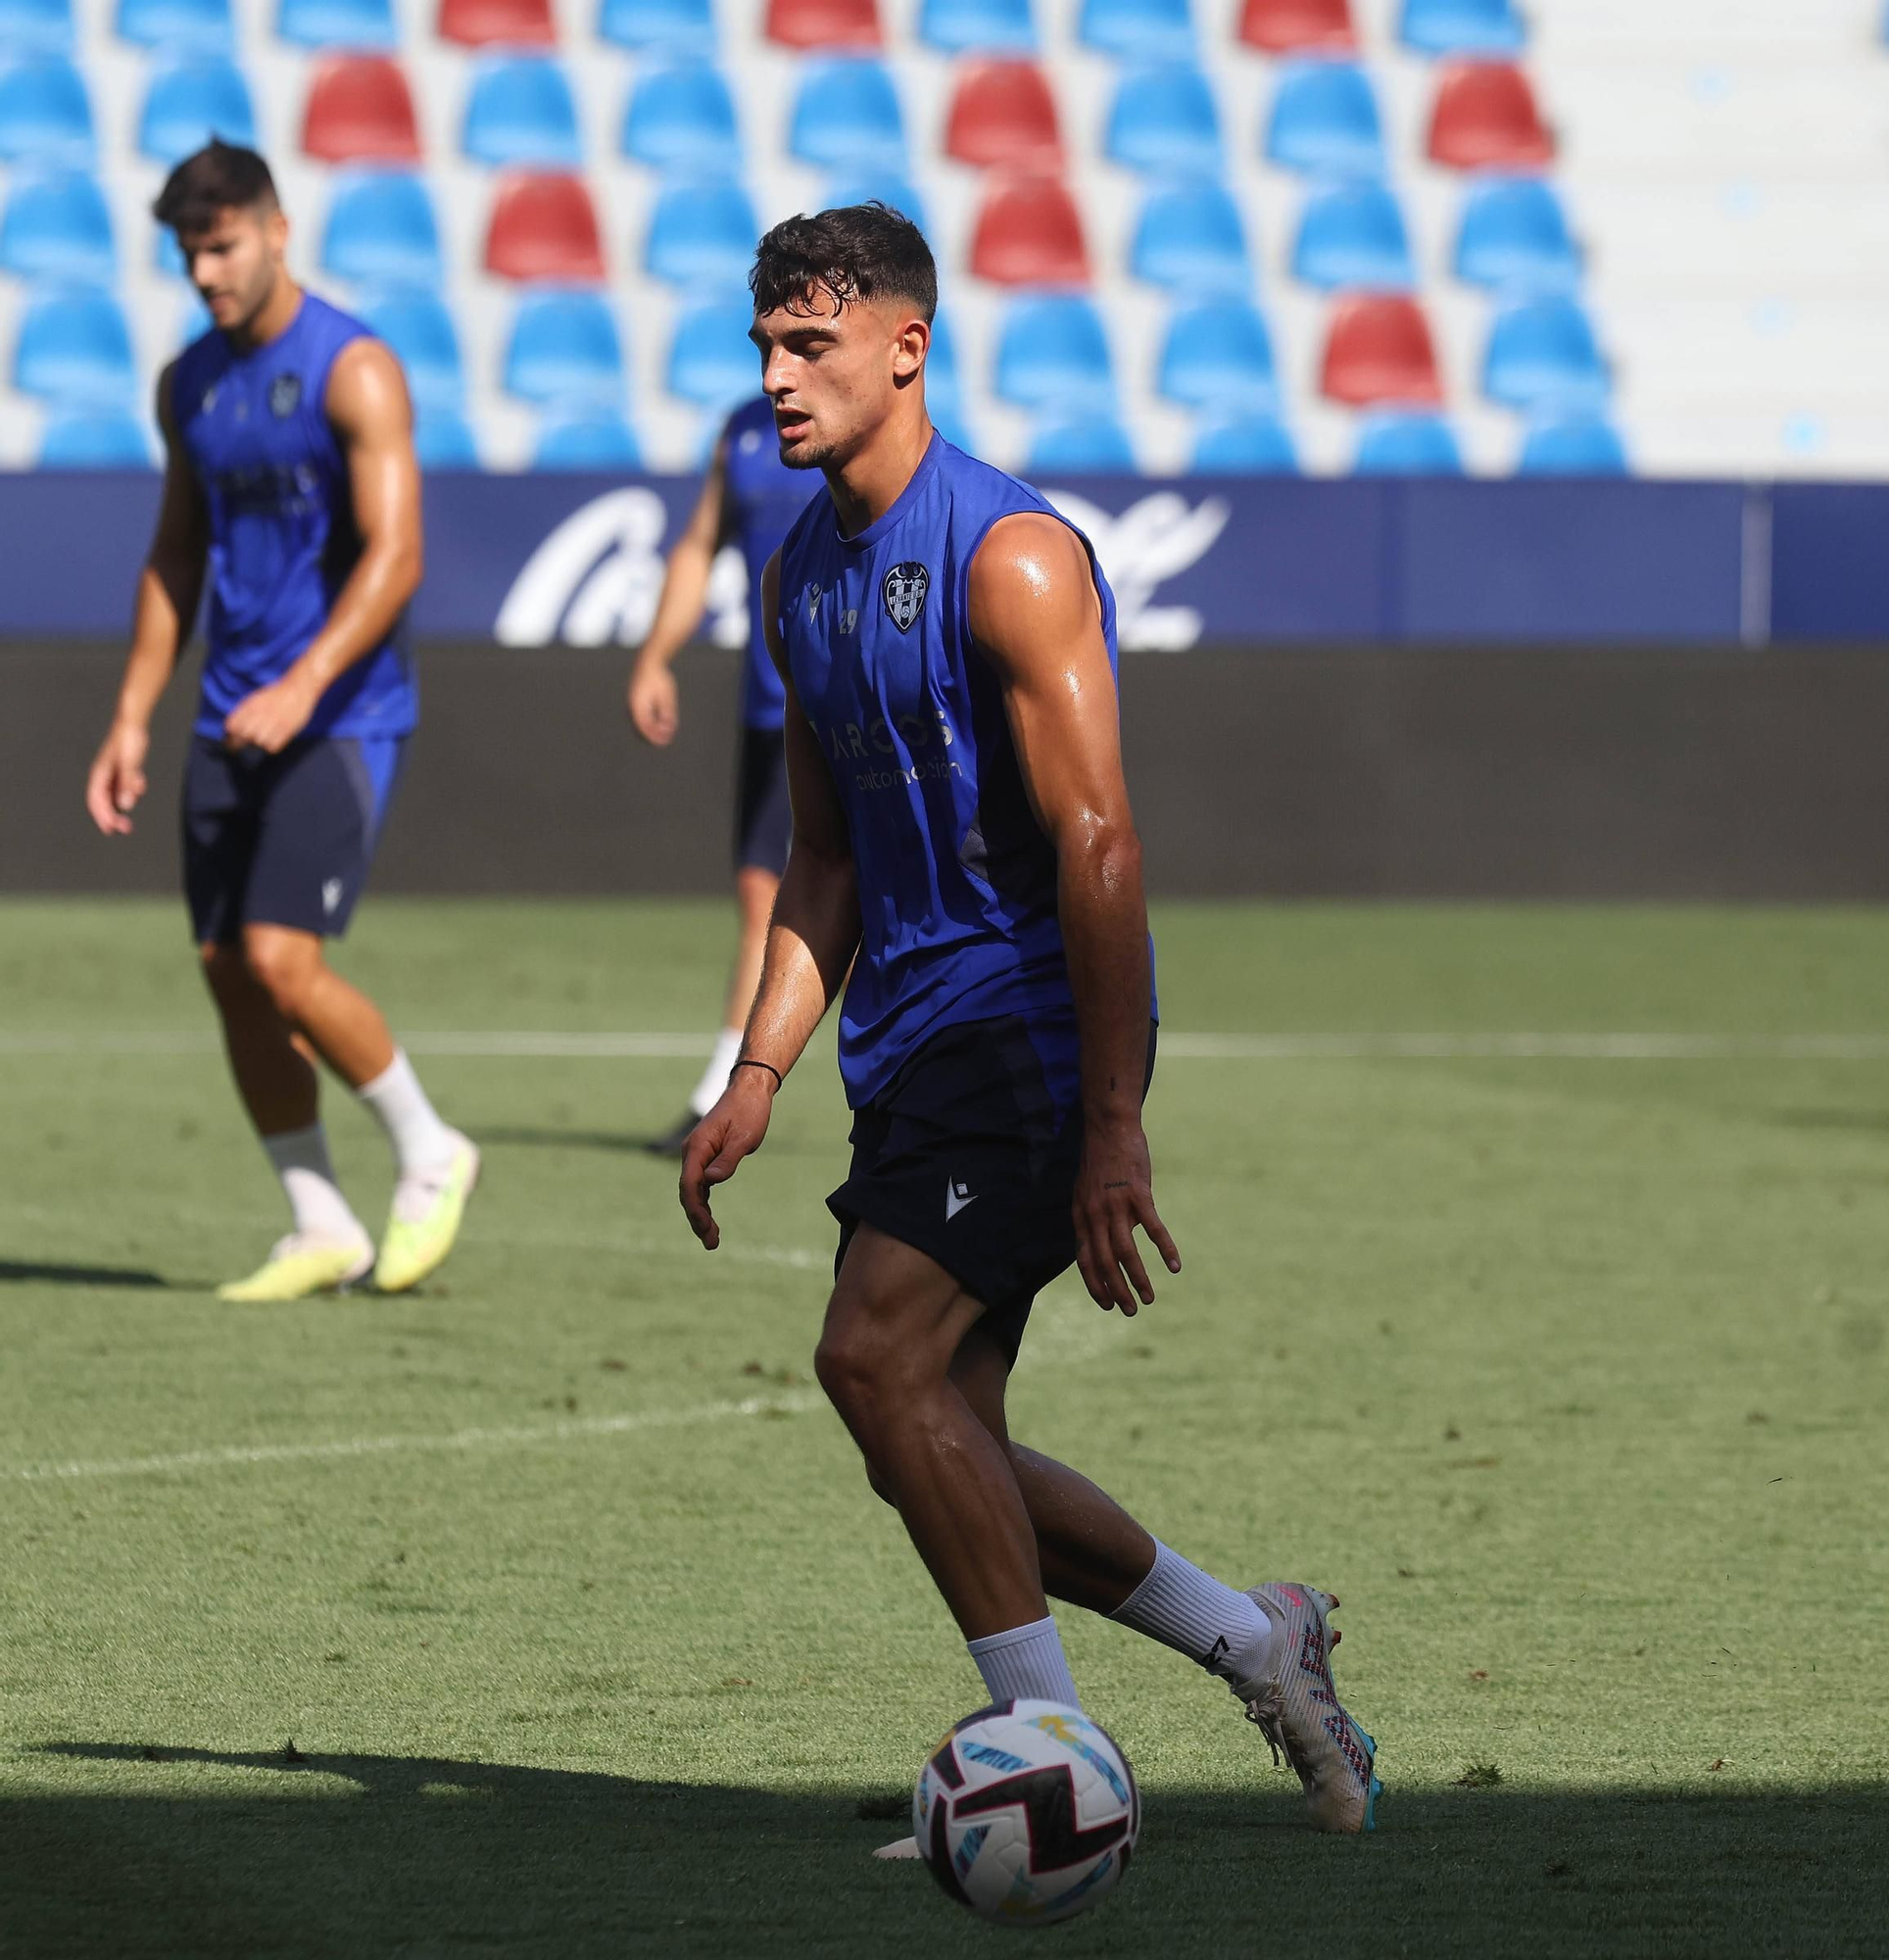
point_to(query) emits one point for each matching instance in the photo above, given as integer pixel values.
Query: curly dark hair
(221, 176)
(856, 252)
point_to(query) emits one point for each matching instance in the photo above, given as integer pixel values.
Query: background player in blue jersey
(292, 491)
(963, 850)
(750, 498)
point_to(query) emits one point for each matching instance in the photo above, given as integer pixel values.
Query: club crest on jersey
(284, 396)
(905, 588)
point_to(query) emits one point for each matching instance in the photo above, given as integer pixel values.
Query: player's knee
(879, 1487)
(282, 965)
(862, 1370)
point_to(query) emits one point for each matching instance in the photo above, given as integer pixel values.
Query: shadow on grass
(531, 1138)
(48, 1272)
(368, 1855)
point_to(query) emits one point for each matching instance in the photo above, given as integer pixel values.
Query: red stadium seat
(544, 226)
(1486, 118)
(511, 24)
(1003, 113)
(361, 110)
(1299, 26)
(1378, 349)
(1029, 233)
(824, 24)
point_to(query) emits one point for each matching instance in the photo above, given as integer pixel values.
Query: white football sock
(316, 1203)
(1192, 1613)
(421, 1142)
(1025, 1664)
(715, 1078)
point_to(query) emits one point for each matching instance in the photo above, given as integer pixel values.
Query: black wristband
(754, 1061)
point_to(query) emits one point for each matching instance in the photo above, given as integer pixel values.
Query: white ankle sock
(1192, 1613)
(715, 1078)
(316, 1203)
(421, 1142)
(1025, 1664)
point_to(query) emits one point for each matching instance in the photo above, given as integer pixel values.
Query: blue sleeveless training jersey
(764, 498)
(957, 882)
(283, 535)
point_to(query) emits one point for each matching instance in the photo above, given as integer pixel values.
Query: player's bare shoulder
(1031, 586)
(367, 392)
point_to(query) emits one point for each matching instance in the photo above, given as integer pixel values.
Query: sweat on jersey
(957, 882)
(764, 498)
(283, 533)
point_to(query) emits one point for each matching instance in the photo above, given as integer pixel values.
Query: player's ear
(908, 350)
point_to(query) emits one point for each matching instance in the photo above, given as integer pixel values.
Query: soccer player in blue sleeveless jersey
(292, 491)
(966, 867)
(750, 498)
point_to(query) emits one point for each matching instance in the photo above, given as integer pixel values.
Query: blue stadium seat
(36, 27)
(1352, 237)
(1141, 29)
(45, 115)
(1190, 236)
(191, 100)
(1164, 119)
(978, 27)
(674, 26)
(680, 115)
(94, 439)
(1461, 26)
(1543, 351)
(942, 385)
(1253, 445)
(1217, 355)
(1325, 121)
(948, 419)
(416, 325)
(381, 229)
(520, 111)
(365, 27)
(564, 348)
(1053, 352)
(193, 319)
(702, 233)
(1394, 443)
(166, 255)
(1514, 235)
(58, 226)
(74, 347)
(886, 186)
(712, 362)
(200, 27)
(587, 439)
(846, 116)
(443, 439)
(1576, 443)
(1080, 446)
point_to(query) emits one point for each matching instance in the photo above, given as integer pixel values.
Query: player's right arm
(169, 588)
(654, 709)
(811, 940)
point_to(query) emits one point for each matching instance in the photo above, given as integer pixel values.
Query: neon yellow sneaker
(425, 1220)
(300, 1266)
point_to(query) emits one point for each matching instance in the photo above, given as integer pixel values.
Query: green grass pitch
(547, 1612)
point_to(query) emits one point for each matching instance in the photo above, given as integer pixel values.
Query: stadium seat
(897, 191)
(191, 100)
(36, 27)
(419, 329)
(847, 115)
(702, 233)
(1514, 233)
(1190, 236)
(1250, 445)
(74, 347)
(1028, 233)
(711, 359)
(671, 27)
(58, 226)
(941, 366)
(443, 439)
(1353, 236)
(1217, 355)
(1543, 351)
(94, 439)
(359, 111)
(1053, 352)
(45, 115)
(544, 226)
(1405, 445)
(977, 26)
(1080, 446)
(364, 25)
(1138, 29)
(1299, 26)
(520, 112)
(680, 115)
(586, 439)
(1461, 26)
(1002, 114)
(381, 229)
(1378, 348)
(1164, 119)
(1325, 121)
(1571, 444)
(498, 23)
(824, 24)
(1485, 118)
(199, 26)
(564, 348)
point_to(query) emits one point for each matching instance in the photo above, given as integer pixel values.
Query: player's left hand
(1114, 1194)
(272, 716)
(732, 1130)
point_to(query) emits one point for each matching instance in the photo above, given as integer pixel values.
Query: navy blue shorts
(763, 818)
(284, 839)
